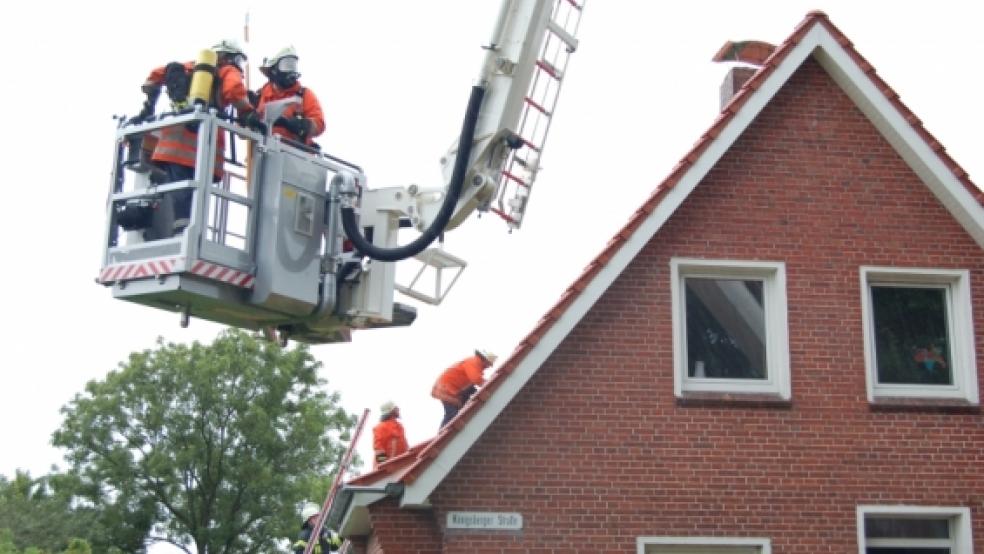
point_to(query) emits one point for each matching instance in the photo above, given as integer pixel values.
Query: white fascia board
(916, 152)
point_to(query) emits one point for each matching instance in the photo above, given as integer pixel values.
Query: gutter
(349, 513)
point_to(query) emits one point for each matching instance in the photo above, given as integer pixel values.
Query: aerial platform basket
(255, 247)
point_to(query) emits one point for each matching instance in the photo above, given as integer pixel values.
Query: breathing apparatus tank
(202, 77)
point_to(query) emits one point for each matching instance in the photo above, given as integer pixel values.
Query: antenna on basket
(246, 44)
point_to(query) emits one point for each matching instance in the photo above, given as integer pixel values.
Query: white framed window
(702, 545)
(918, 333)
(730, 330)
(914, 530)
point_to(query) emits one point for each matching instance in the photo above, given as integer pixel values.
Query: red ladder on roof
(523, 163)
(342, 468)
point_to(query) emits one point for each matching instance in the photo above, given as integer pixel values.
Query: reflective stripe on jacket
(178, 145)
(457, 378)
(309, 108)
(328, 542)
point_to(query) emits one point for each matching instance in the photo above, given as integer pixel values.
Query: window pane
(906, 528)
(905, 550)
(725, 328)
(911, 341)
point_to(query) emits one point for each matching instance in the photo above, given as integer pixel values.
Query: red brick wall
(596, 451)
(397, 531)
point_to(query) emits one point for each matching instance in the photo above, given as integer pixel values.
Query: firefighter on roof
(458, 383)
(388, 438)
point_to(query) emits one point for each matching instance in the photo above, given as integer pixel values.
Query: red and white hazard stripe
(222, 273)
(143, 268)
(165, 266)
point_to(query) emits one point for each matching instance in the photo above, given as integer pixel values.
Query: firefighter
(458, 383)
(300, 121)
(329, 541)
(174, 153)
(388, 437)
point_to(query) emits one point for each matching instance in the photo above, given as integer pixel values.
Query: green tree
(7, 546)
(39, 513)
(207, 447)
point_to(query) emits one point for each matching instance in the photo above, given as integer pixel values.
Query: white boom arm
(514, 54)
(518, 84)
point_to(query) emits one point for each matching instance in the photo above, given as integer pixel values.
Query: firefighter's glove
(334, 541)
(146, 111)
(152, 92)
(299, 126)
(252, 120)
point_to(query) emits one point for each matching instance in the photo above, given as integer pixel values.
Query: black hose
(396, 254)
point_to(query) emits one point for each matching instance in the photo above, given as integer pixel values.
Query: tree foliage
(37, 515)
(207, 447)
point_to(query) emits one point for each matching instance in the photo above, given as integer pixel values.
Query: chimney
(733, 80)
(751, 52)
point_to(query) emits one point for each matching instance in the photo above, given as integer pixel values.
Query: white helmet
(487, 356)
(387, 407)
(273, 60)
(229, 46)
(309, 509)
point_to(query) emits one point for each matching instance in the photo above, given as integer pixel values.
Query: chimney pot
(753, 52)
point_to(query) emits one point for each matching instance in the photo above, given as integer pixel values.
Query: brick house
(775, 354)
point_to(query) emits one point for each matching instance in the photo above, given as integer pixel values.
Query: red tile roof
(420, 456)
(392, 467)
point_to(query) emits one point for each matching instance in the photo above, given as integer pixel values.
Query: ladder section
(343, 466)
(523, 164)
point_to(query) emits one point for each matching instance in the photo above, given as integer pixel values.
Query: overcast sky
(393, 78)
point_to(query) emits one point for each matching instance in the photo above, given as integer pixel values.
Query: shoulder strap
(216, 88)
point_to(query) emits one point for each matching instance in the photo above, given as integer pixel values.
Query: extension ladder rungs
(515, 178)
(539, 108)
(563, 35)
(503, 215)
(530, 145)
(549, 69)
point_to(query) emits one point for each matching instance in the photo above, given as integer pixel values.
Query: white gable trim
(872, 102)
(947, 188)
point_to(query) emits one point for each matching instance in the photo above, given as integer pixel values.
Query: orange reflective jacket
(177, 144)
(388, 439)
(457, 378)
(309, 108)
